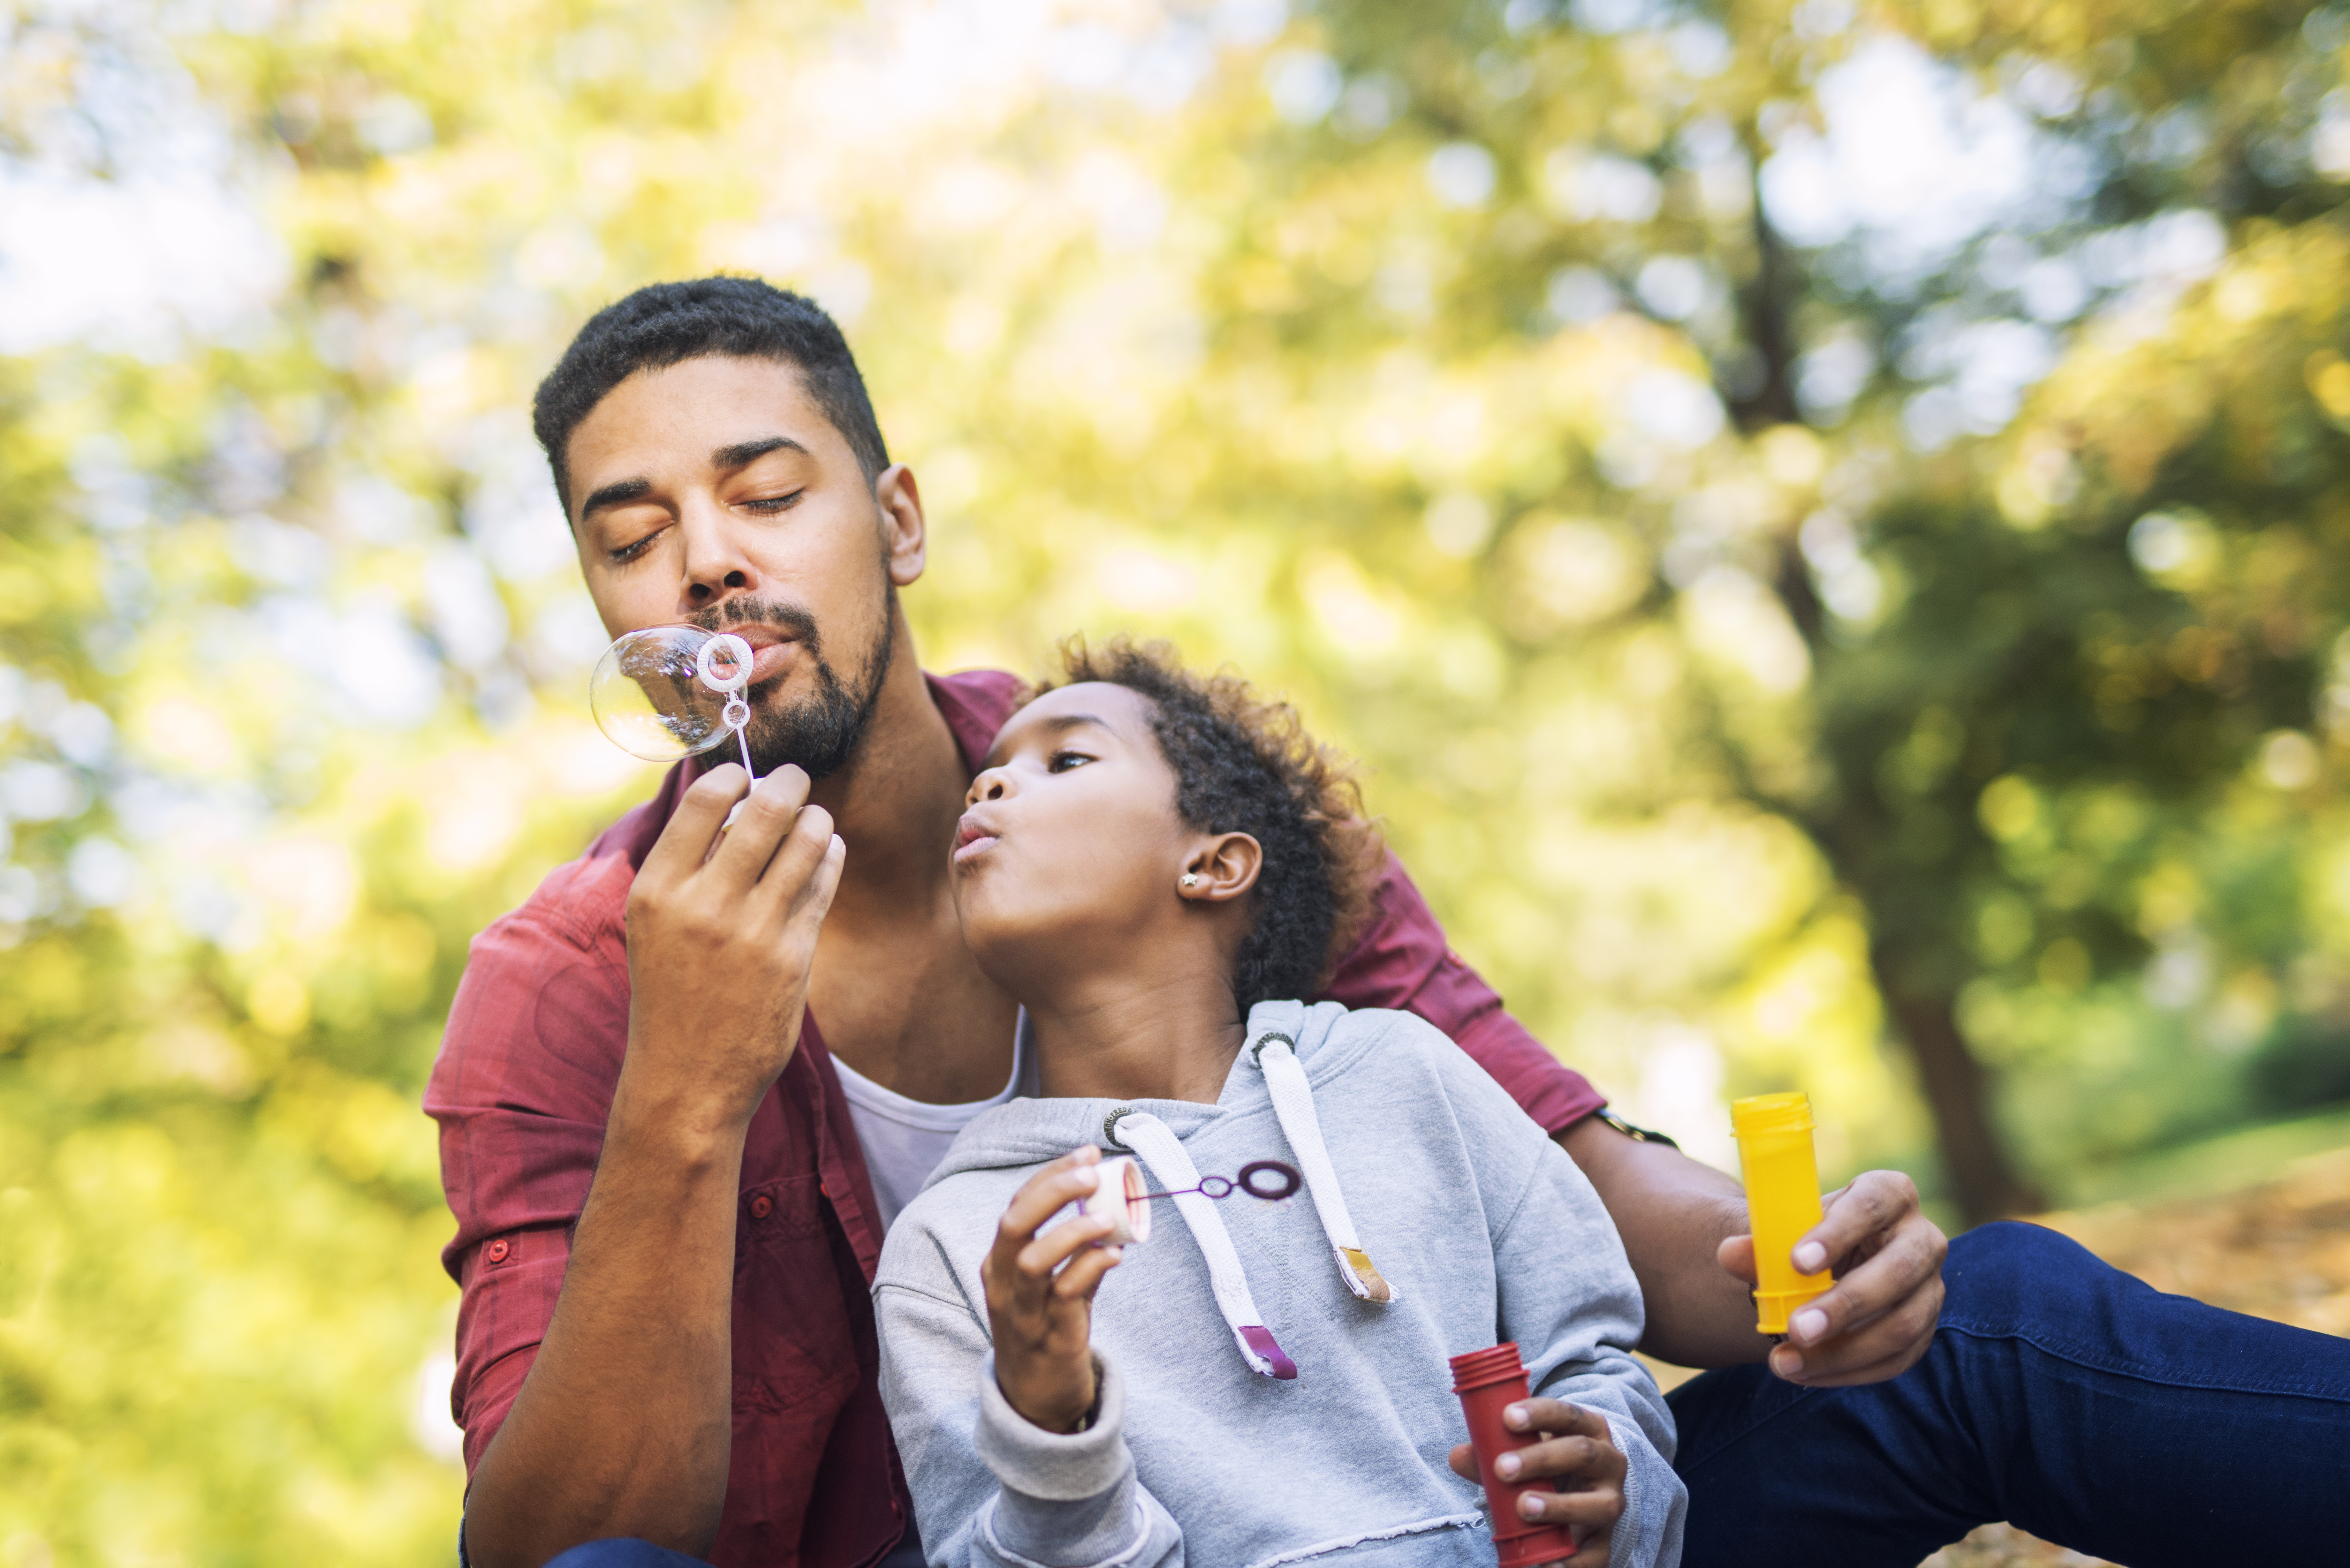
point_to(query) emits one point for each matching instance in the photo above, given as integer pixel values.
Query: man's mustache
(791, 619)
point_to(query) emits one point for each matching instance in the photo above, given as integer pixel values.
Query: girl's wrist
(1054, 1415)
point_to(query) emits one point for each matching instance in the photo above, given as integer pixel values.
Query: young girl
(1154, 864)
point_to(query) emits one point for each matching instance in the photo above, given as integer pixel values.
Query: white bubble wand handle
(725, 665)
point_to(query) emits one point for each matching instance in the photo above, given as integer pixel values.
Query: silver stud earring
(1188, 879)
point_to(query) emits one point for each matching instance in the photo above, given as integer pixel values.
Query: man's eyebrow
(741, 452)
(613, 494)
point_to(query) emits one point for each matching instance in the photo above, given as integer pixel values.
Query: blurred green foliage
(1826, 521)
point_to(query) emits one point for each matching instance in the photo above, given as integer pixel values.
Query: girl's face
(1070, 848)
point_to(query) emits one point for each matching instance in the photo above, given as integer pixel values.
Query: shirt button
(499, 1248)
(761, 1206)
(825, 1188)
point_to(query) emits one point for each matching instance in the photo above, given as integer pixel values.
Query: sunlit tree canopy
(1827, 522)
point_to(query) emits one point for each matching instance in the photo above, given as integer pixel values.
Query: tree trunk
(1981, 1179)
(1925, 1015)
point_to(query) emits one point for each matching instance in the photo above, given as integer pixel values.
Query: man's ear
(905, 533)
(1222, 868)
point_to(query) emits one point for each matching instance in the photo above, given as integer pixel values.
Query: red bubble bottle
(1489, 1382)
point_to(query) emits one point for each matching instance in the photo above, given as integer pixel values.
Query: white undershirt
(904, 1140)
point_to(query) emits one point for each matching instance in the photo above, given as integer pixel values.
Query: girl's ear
(1221, 869)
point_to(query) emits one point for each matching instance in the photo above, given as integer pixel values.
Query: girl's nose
(989, 786)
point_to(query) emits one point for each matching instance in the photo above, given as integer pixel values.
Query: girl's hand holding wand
(1040, 1293)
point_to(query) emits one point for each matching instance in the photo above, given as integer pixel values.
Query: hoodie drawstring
(1293, 1103)
(1163, 1152)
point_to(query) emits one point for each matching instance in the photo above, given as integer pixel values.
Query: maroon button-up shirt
(524, 1085)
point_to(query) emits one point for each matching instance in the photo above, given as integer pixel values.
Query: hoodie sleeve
(1569, 1298)
(990, 1489)
(1566, 1293)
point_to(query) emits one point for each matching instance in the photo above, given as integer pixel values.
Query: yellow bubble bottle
(1782, 1201)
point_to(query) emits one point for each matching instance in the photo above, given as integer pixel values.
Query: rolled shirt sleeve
(1400, 961)
(521, 1090)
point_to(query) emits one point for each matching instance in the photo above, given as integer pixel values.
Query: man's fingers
(684, 843)
(816, 897)
(1737, 1256)
(1905, 1263)
(1883, 1369)
(1881, 1349)
(1463, 1460)
(768, 817)
(1876, 1202)
(785, 882)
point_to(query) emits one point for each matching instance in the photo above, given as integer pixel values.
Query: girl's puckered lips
(973, 835)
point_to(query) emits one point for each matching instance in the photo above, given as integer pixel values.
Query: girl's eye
(1064, 760)
(773, 504)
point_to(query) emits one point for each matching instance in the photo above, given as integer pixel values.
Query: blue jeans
(2061, 1395)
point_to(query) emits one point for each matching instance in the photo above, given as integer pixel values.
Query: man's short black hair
(666, 324)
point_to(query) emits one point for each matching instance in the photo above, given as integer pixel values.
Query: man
(687, 1085)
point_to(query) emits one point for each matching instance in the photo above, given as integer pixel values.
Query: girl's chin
(1020, 947)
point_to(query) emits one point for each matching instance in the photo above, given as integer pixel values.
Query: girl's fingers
(1083, 1277)
(1044, 1195)
(1565, 1462)
(1600, 1506)
(1557, 1418)
(1048, 1251)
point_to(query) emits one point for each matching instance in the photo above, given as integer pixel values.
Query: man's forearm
(623, 1427)
(1673, 1214)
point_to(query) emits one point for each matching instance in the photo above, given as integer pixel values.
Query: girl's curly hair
(1245, 765)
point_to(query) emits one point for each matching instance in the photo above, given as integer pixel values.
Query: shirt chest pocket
(794, 1343)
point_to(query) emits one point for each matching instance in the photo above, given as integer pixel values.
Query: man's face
(715, 492)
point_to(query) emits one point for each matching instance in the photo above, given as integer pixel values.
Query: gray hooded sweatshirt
(1269, 1394)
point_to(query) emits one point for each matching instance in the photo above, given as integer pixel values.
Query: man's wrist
(685, 1127)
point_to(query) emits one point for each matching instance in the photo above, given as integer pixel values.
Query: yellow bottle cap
(1790, 1112)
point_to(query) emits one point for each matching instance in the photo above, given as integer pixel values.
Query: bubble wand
(1119, 1198)
(734, 656)
(668, 692)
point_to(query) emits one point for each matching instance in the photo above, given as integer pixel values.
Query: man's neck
(895, 801)
(1170, 1035)
(896, 993)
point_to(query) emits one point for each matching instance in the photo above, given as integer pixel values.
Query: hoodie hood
(1024, 1132)
(1269, 1072)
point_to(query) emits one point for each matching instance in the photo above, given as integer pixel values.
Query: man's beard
(821, 731)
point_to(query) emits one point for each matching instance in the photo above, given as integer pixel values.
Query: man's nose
(715, 564)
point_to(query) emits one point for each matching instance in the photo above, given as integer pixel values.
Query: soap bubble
(663, 693)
